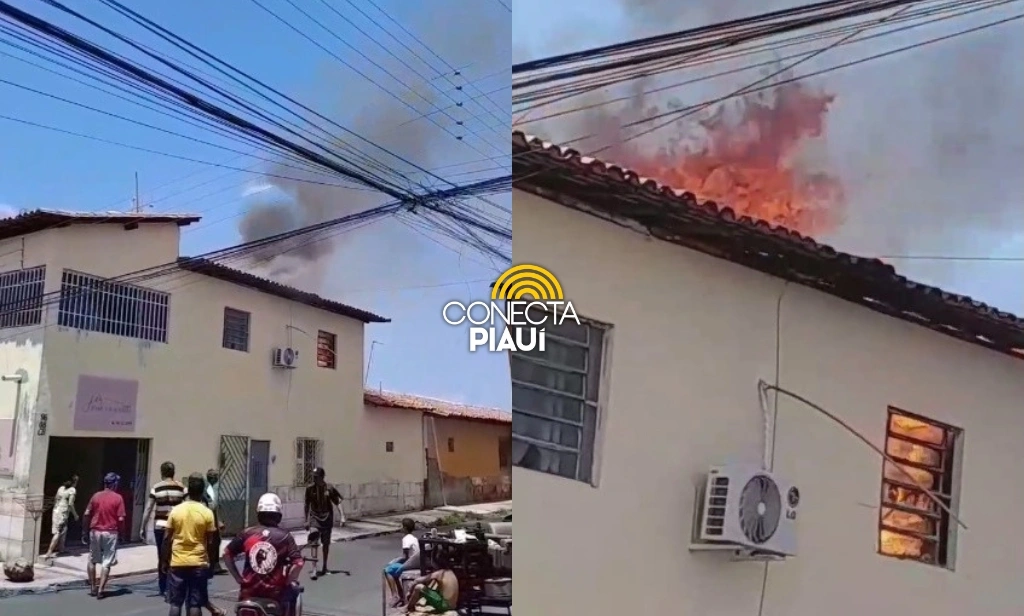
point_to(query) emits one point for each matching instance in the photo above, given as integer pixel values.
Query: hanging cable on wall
(763, 388)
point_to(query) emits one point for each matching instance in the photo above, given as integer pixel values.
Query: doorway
(90, 459)
(244, 477)
(259, 474)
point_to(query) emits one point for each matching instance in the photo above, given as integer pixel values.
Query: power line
(676, 114)
(941, 12)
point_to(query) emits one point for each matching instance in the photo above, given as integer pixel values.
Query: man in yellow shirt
(189, 526)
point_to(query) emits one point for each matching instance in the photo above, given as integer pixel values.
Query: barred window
(308, 456)
(326, 350)
(554, 401)
(21, 297)
(911, 525)
(236, 330)
(96, 304)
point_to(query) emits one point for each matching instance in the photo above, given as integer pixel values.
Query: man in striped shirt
(165, 495)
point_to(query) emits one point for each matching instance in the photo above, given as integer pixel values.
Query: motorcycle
(267, 607)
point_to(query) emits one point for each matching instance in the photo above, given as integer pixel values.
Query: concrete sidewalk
(135, 560)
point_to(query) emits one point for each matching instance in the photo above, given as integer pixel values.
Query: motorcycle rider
(273, 561)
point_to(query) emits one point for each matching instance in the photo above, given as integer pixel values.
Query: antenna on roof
(369, 361)
(137, 206)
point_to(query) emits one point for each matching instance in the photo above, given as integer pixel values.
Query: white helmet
(269, 503)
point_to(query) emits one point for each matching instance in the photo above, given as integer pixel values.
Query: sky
(452, 116)
(928, 140)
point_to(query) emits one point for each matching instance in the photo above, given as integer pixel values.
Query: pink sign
(105, 405)
(6, 446)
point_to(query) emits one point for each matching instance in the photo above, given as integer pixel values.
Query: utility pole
(138, 200)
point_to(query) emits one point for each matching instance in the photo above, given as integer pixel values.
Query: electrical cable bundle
(301, 144)
(898, 17)
(283, 243)
(905, 22)
(682, 46)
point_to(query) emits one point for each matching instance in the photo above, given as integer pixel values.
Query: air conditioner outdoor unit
(284, 357)
(749, 510)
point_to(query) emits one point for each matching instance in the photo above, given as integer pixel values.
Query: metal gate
(233, 494)
(259, 470)
(140, 485)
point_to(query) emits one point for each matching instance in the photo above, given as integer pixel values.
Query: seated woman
(410, 559)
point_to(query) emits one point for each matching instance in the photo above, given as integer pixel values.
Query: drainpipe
(18, 379)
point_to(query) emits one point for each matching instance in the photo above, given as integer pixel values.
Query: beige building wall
(404, 468)
(191, 390)
(691, 337)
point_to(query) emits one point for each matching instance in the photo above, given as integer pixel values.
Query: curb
(7, 593)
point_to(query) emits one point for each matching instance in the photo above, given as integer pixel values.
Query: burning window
(326, 350)
(911, 524)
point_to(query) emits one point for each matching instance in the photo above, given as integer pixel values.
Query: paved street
(336, 595)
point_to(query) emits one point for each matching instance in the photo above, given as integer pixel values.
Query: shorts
(394, 569)
(103, 548)
(188, 586)
(433, 599)
(325, 528)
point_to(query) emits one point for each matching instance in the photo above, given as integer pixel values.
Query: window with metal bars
(911, 524)
(326, 350)
(21, 297)
(97, 304)
(308, 456)
(236, 330)
(555, 401)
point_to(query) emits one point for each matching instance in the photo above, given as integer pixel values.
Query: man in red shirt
(104, 517)
(273, 561)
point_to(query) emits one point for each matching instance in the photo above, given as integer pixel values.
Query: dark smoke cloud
(404, 124)
(927, 141)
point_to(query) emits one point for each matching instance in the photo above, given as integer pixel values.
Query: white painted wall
(692, 335)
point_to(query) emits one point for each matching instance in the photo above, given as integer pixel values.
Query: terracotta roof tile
(567, 177)
(41, 220)
(433, 406)
(245, 279)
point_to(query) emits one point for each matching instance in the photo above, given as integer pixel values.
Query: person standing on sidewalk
(104, 517)
(165, 495)
(211, 498)
(189, 527)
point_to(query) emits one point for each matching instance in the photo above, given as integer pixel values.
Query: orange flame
(747, 159)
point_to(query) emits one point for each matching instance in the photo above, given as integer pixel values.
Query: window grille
(96, 304)
(554, 401)
(308, 456)
(21, 297)
(326, 350)
(236, 330)
(910, 524)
